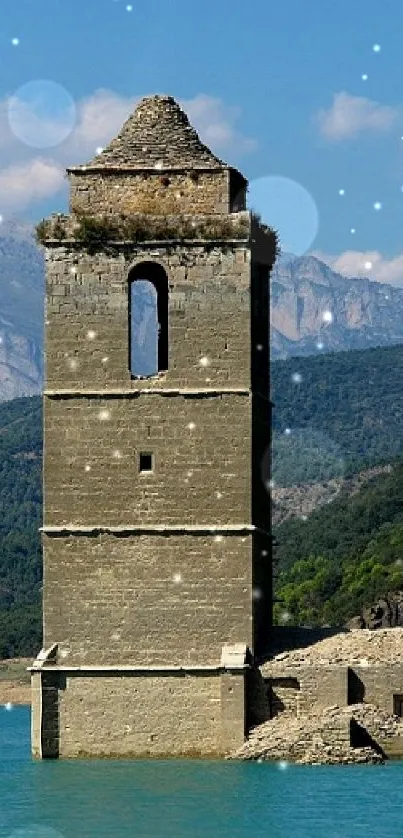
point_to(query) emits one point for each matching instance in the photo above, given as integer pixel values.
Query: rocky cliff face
(386, 613)
(316, 310)
(303, 291)
(21, 312)
(301, 500)
(20, 363)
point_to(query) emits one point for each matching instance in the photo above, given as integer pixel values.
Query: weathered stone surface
(153, 193)
(162, 567)
(146, 599)
(87, 294)
(347, 648)
(333, 735)
(157, 133)
(157, 164)
(101, 474)
(328, 701)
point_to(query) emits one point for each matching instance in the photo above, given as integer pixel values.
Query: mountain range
(22, 284)
(314, 310)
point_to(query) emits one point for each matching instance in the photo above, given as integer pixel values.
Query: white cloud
(215, 123)
(370, 264)
(99, 118)
(350, 115)
(26, 179)
(27, 183)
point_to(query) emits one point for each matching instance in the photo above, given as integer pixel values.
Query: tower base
(118, 712)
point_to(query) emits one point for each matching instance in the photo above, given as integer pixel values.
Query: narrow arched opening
(148, 320)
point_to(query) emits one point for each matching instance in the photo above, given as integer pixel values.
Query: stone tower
(156, 541)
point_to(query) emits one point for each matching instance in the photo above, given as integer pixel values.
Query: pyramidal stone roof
(158, 135)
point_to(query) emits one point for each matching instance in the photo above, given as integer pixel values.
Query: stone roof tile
(157, 135)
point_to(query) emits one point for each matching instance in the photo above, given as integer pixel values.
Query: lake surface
(186, 799)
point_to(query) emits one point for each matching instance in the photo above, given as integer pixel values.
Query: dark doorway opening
(398, 704)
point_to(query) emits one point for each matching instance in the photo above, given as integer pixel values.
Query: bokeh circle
(42, 113)
(289, 208)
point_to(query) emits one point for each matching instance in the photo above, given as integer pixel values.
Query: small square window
(146, 462)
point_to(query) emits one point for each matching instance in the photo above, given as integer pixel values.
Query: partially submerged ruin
(156, 537)
(156, 530)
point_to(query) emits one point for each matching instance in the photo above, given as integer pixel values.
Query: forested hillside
(336, 414)
(21, 505)
(345, 413)
(344, 557)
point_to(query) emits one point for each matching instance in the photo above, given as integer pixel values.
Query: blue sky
(275, 89)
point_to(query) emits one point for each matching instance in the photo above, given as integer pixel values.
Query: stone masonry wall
(153, 568)
(115, 595)
(201, 474)
(146, 599)
(87, 328)
(109, 715)
(377, 684)
(320, 686)
(305, 689)
(323, 686)
(158, 193)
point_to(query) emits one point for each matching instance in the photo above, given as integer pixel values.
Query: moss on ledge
(96, 233)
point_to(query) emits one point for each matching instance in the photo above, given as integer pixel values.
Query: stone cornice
(217, 669)
(154, 391)
(127, 169)
(199, 529)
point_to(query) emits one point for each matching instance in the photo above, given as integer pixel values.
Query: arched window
(148, 320)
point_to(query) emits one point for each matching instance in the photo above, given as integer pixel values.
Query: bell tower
(156, 532)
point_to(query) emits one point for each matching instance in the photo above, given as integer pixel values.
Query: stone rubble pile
(319, 738)
(378, 723)
(362, 647)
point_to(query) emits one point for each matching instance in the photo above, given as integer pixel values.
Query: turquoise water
(186, 799)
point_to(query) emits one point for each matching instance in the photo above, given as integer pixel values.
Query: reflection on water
(188, 799)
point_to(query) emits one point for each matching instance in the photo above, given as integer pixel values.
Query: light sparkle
(104, 415)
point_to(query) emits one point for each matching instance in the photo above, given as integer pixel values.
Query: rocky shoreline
(15, 684)
(12, 693)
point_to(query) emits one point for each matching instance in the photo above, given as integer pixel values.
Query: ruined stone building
(156, 535)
